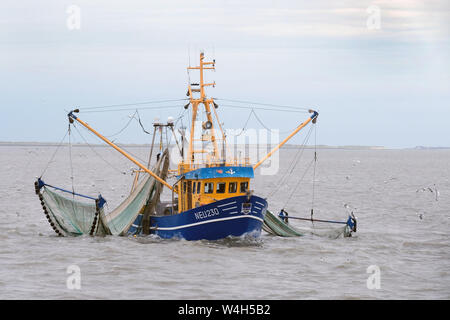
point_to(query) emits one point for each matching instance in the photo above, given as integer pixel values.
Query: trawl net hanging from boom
(70, 217)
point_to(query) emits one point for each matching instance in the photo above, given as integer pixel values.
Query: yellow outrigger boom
(313, 118)
(72, 117)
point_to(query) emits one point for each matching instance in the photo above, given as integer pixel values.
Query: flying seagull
(432, 190)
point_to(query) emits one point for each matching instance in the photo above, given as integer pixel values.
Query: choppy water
(403, 232)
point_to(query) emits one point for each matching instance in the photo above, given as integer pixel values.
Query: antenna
(214, 53)
(189, 53)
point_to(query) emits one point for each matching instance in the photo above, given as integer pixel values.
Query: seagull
(390, 179)
(435, 191)
(349, 207)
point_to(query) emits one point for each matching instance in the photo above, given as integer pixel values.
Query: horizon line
(370, 147)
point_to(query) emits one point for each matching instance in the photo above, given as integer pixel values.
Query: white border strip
(226, 204)
(207, 221)
(229, 208)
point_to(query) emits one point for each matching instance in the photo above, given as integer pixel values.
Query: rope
(260, 122)
(70, 159)
(140, 123)
(128, 109)
(93, 150)
(314, 160)
(126, 126)
(67, 191)
(265, 127)
(292, 165)
(46, 212)
(71, 171)
(245, 125)
(54, 154)
(265, 104)
(313, 220)
(298, 183)
(130, 104)
(258, 108)
(314, 169)
(180, 117)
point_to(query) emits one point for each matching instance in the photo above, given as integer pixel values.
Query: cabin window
(184, 187)
(232, 187)
(194, 189)
(209, 187)
(198, 186)
(244, 187)
(221, 187)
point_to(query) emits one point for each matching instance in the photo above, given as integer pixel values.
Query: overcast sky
(377, 71)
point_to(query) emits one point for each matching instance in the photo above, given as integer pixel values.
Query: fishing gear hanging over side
(279, 224)
(82, 214)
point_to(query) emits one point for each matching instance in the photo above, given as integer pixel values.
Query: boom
(313, 118)
(72, 117)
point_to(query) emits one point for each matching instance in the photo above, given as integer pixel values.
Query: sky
(378, 72)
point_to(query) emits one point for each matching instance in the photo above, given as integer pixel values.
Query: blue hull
(229, 217)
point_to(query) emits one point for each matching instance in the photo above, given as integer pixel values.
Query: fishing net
(69, 216)
(326, 232)
(276, 226)
(120, 219)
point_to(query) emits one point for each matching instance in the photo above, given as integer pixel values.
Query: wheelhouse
(207, 185)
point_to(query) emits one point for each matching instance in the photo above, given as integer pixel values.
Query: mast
(209, 106)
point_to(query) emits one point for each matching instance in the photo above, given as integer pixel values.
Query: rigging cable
(245, 125)
(120, 145)
(263, 108)
(181, 115)
(265, 104)
(128, 109)
(252, 111)
(293, 164)
(126, 126)
(140, 123)
(313, 161)
(265, 127)
(70, 158)
(71, 173)
(298, 183)
(314, 169)
(98, 155)
(54, 154)
(130, 104)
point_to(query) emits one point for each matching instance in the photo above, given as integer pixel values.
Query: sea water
(401, 249)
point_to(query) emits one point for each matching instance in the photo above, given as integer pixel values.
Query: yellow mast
(195, 102)
(207, 103)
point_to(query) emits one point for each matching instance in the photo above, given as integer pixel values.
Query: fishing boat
(212, 197)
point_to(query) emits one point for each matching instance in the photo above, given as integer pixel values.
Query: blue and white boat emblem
(246, 208)
(231, 171)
